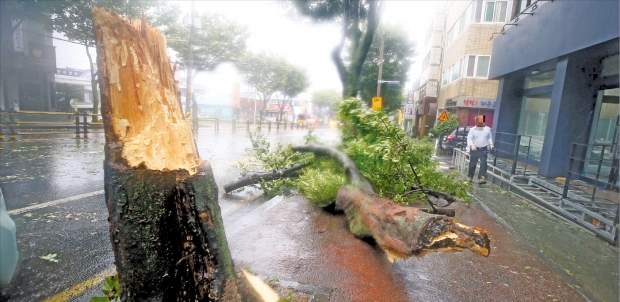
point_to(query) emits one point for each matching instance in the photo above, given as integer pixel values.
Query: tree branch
(255, 178)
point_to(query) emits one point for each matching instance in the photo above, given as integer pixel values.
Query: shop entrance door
(603, 138)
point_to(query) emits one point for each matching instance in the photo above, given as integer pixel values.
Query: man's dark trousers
(480, 153)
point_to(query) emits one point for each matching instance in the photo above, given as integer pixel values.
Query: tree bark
(401, 231)
(165, 223)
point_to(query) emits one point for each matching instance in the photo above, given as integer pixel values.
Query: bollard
(268, 126)
(515, 155)
(12, 134)
(284, 126)
(77, 126)
(248, 126)
(85, 126)
(234, 125)
(1, 132)
(277, 126)
(297, 126)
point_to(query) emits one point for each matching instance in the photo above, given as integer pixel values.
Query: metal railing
(25, 123)
(232, 125)
(511, 145)
(581, 162)
(515, 20)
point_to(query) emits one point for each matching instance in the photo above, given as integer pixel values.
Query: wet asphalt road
(286, 238)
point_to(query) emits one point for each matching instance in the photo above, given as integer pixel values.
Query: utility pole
(380, 66)
(190, 56)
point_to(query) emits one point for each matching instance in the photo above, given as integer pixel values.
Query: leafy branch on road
(378, 148)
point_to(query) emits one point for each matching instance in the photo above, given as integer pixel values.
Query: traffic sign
(408, 111)
(443, 117)
(376, 103)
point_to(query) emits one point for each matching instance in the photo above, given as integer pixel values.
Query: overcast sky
(301, 43)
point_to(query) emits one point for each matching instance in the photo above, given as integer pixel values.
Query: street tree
(442, 128)
(74, 20)
(68, 92)
(295, 82)
(326, 99)
(359, 20)
(216, 40)
(398, 55)
(266, 73)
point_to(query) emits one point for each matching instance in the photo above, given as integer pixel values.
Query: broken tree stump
(165, 223)
(401, 231)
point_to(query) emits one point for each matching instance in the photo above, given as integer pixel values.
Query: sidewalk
(589, 264)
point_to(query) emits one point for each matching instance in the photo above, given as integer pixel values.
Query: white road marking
(54, 202)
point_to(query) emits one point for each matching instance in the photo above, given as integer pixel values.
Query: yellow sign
(443, 117)
(376, 103)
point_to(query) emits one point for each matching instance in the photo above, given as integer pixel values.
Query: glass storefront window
(611, 65)
(539, 80)
(533, 122)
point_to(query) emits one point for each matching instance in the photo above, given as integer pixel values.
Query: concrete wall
(555, 29)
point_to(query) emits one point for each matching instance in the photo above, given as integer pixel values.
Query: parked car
(301, 119)
(456, 139)
(8, 245)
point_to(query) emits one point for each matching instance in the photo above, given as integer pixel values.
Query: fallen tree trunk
(165, 223)
(255, 178)
(401, 231)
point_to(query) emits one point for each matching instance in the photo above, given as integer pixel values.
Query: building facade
(27, 65)
(465, 88)
(558, 79)
(425, 100)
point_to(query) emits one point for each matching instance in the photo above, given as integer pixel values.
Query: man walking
(479, 139)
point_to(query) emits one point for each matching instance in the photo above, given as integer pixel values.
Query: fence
(25, 123)
(516, 147)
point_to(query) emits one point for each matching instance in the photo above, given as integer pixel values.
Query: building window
(482, 66)
(495, 11)
(539, 80)
(533, 122)
(466, 18)
(470, 66)
(456, 70)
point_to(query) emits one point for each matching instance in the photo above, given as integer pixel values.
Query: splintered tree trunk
(165, 223)
(401, 231)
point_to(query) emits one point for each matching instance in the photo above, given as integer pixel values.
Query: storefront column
(507, 111)
(571, 100)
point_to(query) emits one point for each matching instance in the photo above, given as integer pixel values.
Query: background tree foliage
(295, 82)
(75, 20)
(359, 20)
(266, 73)
(326, 98)
(398, 55)
(442, 128)
(217, 40)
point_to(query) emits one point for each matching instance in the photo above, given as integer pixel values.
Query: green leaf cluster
(111, 289)
(388, 159)
(442, 128)
(321, 181)
(398, 55)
